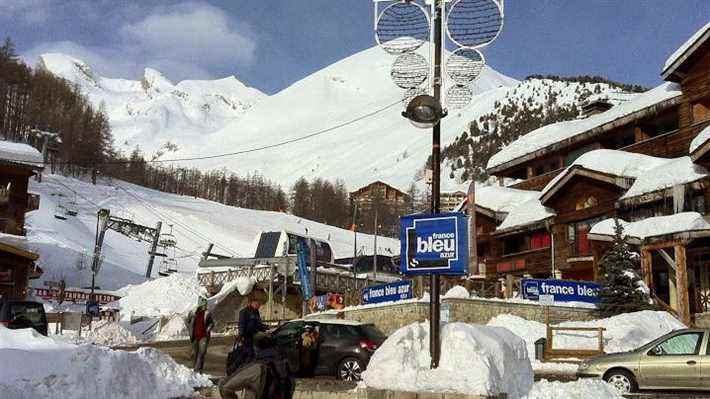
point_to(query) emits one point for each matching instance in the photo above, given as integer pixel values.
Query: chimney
(594, 105)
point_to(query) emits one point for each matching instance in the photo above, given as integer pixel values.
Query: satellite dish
(402, 28)
(410, 70)
(474, 23)
(465, 65)
(458, 96)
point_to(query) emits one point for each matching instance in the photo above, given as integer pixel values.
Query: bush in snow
(619, 289)
(475, 360)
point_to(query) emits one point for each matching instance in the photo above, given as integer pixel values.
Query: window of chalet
(515, 244)
(701, 109)
(577, 237)
(541, 239)
(586, 202)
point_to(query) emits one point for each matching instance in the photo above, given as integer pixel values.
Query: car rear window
(34, 312)
(372, 333)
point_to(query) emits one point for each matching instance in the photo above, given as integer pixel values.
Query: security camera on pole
(435, 244)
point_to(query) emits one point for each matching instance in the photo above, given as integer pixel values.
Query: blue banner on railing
(303, 255)
(397, 291)
(561, 290)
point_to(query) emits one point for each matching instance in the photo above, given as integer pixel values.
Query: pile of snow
(654, 226)
(623, 333)
(685, 46)
(700, 139)
(34, 366)
(554, 133)
(166, 296)
(20, 153)
(243, 285)
(580, 389)
(475, 360)
(456, 292)
(107, 333)
(175, 328)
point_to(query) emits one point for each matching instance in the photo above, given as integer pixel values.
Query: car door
(673, 363)
(335, 344)
(287, 338)
(705, 363)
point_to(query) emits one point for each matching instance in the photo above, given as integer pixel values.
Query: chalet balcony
(533, 261)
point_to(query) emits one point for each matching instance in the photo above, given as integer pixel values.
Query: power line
(242, 152)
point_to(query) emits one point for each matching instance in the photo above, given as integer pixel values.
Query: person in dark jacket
(267, 376)
(201, 326)
(250, 324)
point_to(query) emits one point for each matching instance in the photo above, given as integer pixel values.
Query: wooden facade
(378, 189)
(582, 197)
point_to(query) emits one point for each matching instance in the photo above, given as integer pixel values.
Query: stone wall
(479, 311)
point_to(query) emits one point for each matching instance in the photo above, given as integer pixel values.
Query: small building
(385, 192)
(18, 162)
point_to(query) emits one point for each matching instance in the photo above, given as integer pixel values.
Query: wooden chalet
(378, 189)
(645, 161)
(18, 162)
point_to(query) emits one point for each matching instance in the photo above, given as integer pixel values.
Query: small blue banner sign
(303, 272)
(391, 292)
(561, 290)
(434, 244)
(92, 309)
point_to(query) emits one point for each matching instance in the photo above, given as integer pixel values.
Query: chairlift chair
(168, 240)
(60, 211)
(168, 267)
(72, 208)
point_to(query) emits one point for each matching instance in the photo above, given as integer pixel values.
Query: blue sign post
(561, 290)
(303, 264)
(434, 244)
(391, 292)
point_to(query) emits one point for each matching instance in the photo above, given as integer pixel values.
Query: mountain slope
(153, 111)
(61, 243)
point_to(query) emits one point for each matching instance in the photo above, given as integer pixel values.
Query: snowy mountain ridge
(153, 111)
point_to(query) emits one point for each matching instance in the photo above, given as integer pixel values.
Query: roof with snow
(498, 199)
(563, 134)
(671, 173)
(700, 144)
(528, 213)
(20, 154)
(686, 223)
(683, 53)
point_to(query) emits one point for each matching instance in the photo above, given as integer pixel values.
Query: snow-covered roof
(654, 226)
(20, 153)
(502, 199)
(670, 173)
(611, 162)
(691, 44)
(555, 133)
(528, 212)
(700, 139)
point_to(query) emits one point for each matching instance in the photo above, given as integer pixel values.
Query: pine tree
(620, 291)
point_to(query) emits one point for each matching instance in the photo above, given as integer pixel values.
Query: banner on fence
(391, 292)
(561, 290)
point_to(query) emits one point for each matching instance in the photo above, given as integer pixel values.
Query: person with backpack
(201, 326)
(267, 376)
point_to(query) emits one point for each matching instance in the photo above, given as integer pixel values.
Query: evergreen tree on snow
(620, 291)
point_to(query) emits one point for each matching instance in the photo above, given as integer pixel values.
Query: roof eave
(577, 170)
(671, 72)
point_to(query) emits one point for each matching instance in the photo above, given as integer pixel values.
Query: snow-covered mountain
(153, 111)
(196, 222)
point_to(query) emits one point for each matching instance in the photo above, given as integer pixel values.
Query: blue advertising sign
(92, 309)
(397, 291)
(561, 290)
(434, 244)
(303, 255)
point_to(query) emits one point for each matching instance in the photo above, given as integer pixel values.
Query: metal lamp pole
(434, 304)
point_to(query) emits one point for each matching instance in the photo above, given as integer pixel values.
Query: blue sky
(270, 44)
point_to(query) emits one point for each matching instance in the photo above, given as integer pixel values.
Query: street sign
(391, 292)
(561, 290)
(434, 244)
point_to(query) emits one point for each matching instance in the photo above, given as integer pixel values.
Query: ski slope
(197, 222)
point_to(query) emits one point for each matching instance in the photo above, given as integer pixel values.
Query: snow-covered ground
(623, 333)
(61, 243)
(33, 366)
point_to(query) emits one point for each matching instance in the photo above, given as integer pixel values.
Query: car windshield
(372, 333)
(29, 311)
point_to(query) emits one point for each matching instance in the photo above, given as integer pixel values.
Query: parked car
(343, 347)
(23, 314)
(677, 360)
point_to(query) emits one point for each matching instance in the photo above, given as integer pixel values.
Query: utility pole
(434, 306)
(101, 227)
(153, 248)
(374, 257)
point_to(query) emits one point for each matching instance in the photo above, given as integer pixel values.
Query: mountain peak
(67, 67)
(154, 82)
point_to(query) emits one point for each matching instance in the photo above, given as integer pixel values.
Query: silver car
(677, 360)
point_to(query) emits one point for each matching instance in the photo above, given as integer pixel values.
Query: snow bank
(458, 292)
(654, 226)
(580, 389)
(476, 360)
(166, 296)
(243, 285)
(175, 328)
(34, 366)
(623, 333)
(701, 138)
(554, 133)
(110, 334)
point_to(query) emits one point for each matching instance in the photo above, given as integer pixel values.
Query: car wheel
(350, 369)
(622, 380)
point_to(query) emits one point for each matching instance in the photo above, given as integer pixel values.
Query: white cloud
(182, 41)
